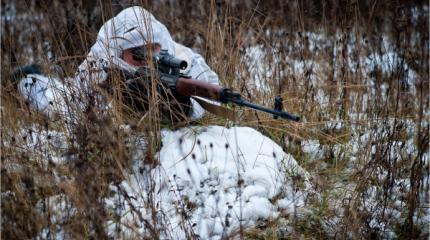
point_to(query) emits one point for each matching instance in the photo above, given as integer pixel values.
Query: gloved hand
(93, 69)
(33, 87)
(22, 72)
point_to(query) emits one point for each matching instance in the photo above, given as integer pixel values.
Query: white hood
(132, 27)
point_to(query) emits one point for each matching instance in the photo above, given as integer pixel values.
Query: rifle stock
(190, 87)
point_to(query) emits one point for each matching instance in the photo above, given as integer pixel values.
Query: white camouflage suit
(132, 27)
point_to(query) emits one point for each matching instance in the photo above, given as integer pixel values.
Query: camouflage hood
(132, 27)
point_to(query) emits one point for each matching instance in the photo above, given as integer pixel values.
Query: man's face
(139, 56)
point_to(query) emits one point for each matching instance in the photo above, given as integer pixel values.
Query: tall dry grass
(368, 116)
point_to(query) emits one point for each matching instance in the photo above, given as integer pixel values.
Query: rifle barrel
(191, 87)
(281, 114)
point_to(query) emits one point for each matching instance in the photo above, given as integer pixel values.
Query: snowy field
(214, 182)
(210, 182)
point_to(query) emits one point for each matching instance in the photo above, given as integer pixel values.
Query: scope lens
(183, 65)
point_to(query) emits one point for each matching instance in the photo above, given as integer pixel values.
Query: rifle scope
(164, 58)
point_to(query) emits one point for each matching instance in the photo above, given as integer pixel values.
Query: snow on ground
(210, 181)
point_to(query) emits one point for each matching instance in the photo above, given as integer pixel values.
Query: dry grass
(321, 76)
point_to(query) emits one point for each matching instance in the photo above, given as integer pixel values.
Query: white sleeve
(199, 70)
(52, 96)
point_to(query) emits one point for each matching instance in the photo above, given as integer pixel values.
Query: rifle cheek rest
(190, 87)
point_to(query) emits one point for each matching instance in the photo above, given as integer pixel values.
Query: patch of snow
(60, 210)
(211, 180)
(322, 98)
(260, 72)
(229, 175)
(313, 148)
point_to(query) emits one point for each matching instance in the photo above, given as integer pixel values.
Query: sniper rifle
(168, 69)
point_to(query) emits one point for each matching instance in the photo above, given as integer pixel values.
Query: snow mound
(211, 180)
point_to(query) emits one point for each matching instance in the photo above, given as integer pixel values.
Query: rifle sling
(217, 110)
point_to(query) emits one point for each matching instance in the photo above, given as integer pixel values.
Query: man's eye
(139, 54)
